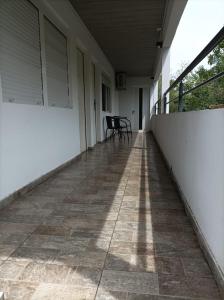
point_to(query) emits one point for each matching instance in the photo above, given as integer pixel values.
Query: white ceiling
(126, 30)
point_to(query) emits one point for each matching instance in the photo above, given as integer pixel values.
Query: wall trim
(27, 188)
(215, 268)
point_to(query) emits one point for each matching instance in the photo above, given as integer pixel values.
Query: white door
(129, 106)
(135, 109)
(81, 100)
(93, 104)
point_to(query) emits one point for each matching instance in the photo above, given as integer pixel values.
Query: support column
(151, 99)
(165, 78)
(1, 142)
(155, 93)
(89, 101)
(98, 83)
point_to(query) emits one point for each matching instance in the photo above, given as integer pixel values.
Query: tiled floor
(110, 226)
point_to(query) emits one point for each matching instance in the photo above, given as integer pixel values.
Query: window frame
(70, 103)
(106, 98)
(42, 102)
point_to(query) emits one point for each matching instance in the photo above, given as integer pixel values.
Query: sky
(200, 22)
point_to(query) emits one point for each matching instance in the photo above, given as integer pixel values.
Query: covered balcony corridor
(109, 226)
(83, 217)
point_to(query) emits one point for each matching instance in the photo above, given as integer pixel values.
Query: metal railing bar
(211, 45)
(219, 75)
(173, 100)
(158, 101)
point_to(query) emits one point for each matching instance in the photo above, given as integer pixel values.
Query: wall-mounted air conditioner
(121, 80)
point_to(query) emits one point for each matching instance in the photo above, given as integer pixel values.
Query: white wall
(36, 139)
(193, 143)
(129, 102)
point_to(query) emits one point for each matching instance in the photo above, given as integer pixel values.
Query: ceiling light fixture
(159, 44)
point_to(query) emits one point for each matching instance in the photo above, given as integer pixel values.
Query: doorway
(93, 104)
(140, 107)
(81, 99)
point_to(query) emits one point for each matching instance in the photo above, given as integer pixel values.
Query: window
(20, 61)
(56, 66)
(106, 94)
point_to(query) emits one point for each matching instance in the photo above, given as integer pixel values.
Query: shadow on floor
(110, 226)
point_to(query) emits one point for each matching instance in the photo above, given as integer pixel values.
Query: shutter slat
(57, 66)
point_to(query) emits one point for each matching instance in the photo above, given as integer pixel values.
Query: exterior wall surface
(193, 144)
(37, 139)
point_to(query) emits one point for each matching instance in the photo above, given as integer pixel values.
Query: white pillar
(151, 99)
(98, 85)
(155, 92)
(1, 141)
(165, 76)
(87, 97)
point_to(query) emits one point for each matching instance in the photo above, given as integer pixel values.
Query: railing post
(159, 106)
(181, 99)
(164, 104)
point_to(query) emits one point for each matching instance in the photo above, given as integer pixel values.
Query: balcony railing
(161, 105)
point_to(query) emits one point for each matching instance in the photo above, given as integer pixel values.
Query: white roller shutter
(57, 66)
(20, 62)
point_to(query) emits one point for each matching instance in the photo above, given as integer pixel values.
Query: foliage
(207, 95)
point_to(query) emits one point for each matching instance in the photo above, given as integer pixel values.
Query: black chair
(121, 126)
(128, 122)
(117, 125)
(110, 125)
(129, 125)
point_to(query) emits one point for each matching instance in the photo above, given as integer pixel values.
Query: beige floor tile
(15, 290)
(121, 281)
(12, 269)
(44, 273)
(84, 277)
(60, 292)
(111, 223)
